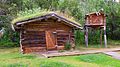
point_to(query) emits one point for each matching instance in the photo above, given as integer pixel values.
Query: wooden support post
(105, 37)
(72, 41)
(69, 37)
(20, 42)
(101, 36)
(86, 36)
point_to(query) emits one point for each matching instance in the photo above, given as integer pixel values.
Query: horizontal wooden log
(33, 49)
(60, 47)
(59, 38)
(33, 42)
(34, 33)
(29, 39)
(61, 44)
(62, 35)
(32, 38)
(34, 45)
(37, 40)
(62, 40)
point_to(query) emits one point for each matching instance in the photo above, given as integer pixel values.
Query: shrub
(8, 40)
(67, 46)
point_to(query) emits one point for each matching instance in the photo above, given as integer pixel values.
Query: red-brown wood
(95, 20)
(50, 40)
(45, 35)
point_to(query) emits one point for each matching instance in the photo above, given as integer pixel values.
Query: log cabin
(95, 20)
(44, 32)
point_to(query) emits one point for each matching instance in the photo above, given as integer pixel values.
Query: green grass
(11, 57)
(25, 15)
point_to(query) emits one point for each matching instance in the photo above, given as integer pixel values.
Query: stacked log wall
(33, 35)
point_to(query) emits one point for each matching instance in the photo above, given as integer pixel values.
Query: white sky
(117, 0)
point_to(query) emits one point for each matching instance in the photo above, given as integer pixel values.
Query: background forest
(10, 9)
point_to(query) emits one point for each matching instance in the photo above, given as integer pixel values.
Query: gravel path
(108, 51)
(115, 55)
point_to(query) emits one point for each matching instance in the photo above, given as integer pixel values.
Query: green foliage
(9, 40)
(16, 65)
(75, 8)
(79, 38)
(37, 12)
(6, 40)
(94, 36)
(10, 57)
(67, 46)
(55, 64)
(29, 12)
(98, 59)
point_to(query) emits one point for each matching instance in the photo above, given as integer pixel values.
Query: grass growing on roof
(25, 15)
(11, 57)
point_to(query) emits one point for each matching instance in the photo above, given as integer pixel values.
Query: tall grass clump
(79, 38)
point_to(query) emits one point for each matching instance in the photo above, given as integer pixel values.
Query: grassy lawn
(11, 57)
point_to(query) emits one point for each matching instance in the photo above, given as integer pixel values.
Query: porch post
(21, 48)
(86, 36)
(101, 36)
(105, 37)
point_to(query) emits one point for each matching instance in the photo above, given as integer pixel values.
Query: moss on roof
(38, 14)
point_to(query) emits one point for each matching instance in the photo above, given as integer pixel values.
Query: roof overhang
(60, 18)
(95, 13)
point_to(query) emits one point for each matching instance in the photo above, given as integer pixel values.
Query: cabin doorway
(50, 40)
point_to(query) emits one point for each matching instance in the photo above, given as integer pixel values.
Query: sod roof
(31, 17)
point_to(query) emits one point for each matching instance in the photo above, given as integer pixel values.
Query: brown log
(105, 37)
(86, 36)
(101, 36)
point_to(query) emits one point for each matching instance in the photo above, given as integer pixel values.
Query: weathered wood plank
(50, 40)
(21, 47)
(105, 37)
(35, 35)
(86, 36)
(74, 53)
(101, 37)
(34, 49)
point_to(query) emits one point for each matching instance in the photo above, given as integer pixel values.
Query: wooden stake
(105, 38)
(20, 42)
(86, 36)
(101, 36)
